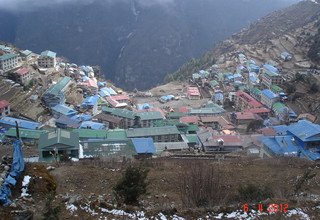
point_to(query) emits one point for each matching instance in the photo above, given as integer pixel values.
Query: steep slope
(294, 29)
(131, 39)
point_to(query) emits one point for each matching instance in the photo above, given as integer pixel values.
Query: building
(144, 147)
(92, 125)
(55, 94)
(124, 114)
(217, 122)
(262, 112)
(148, 118)
(65, 122)
(218, 97)
(268, 98)
(9, 62)
(4, 108)
(9, 122)
(63, 110)
(193, 93)
(47, 59)
(158, 134)
(211, 143)
(285, 56)
(244, 118)
(26, 135)
(245, 101)
(122, 98)
(58, 145)
(110, 121)
(270, 76)
(190, 119)
(91, 103)
(215, 110)
(26, 54)
(23, 75)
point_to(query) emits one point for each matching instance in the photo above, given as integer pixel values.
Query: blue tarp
(82, 117)
(90, 101)
(167, 97)
(11, 122)
(16, 170)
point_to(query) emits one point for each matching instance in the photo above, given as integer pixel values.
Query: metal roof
(90, 101)
(8, 56)
(150, 115)
(56, 88)
(117, 134)
(269, 94)
(213, 110)
(144, 145)
(91, 134)
(48, 53)
(92, 125)
(60, 139)
(25, 133)
(63, 109)
(152, 131)
(21, 123)
(305, 130)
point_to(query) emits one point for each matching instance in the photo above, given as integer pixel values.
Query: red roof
(183, 109)
(189, 119)
(258, 110)
(193, 91)
(245, 116)
(22, 71)
(120, 97)
(114, 103)
(248, 99)
(4, 104)
(267, 131)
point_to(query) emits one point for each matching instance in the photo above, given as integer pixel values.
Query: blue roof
(269, 94)
(305, 130)
(281, 129)
(70, 122)
(90, 101)
(63, 109)
(92, 125)
(167, 97)
(270, 68)
(218, 96)
(22, 123)
(109, 90)
(82, 117)
(144, 145)
(281, 145)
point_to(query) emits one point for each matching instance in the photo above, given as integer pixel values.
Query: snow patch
(25, 184)
(72, 208)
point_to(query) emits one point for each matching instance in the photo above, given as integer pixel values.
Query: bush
(253, 193)
(51, 212)
(132, 185)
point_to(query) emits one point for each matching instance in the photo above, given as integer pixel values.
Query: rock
(74, 199)
(13, 205)
(7, 168)
(50, 168)
(3, 175)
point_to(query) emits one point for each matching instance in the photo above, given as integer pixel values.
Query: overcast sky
(14, 5)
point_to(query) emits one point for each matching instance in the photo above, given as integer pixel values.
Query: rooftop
(305, 130)
(25, 133)
(269, 94)
(152, 131)
(117, 134)
(48, 53)
(63, 109)
(144, 145)
(215, 109)
(249, 99)
(8, 56)
(58, 138)
(190, 119)
(90, 101)
(22, 71)
(59, 86)
(21, 123)
(4, 103)
(91, 134)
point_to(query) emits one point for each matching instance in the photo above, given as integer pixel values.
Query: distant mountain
(136, 42)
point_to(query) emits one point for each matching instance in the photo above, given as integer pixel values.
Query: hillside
(130, 39)
(293, 29)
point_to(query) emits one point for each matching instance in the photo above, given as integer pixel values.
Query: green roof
(255, 91)
(192, 127)
(166, 122)
(192, 138)
(56, 88)
(7, 56)
(213, 83)
(60, 139)
(278, 106)
(117, 134)
(26, 52)
(152, 115)
(123, 113)
(175, 115)
(152, 131)
(25, 133)
(276, 89)
(212, 109)
(48, 53)
(91, 134)
(108, 148)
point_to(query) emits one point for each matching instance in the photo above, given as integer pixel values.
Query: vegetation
(253, 193)
(193, 66)
(254, 125)
(314, 51)
(132, 185)
(51, 212)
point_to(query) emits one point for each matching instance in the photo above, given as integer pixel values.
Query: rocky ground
(83, 190)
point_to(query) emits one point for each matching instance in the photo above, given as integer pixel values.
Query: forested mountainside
(136, 42)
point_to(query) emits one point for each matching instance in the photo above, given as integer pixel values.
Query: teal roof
(117, 134)
(255, 91)
(108, 148)
(278, 107)
(48, 53)
(175, 115)
(212, 110)
(213, 83)
(56, 88)
(152, 115)
(7, 56)
(26, 52)
(192, 138)
(276, 89)
(60, 139)
(91, 134)
(25, 133)
(152, 131)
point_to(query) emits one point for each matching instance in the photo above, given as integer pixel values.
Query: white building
(8, 62)
(47, 59)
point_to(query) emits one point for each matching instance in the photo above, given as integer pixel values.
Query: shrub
(51, 212)
(132, 185)
(253, 193)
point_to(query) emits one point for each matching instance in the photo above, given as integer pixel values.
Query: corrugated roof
(92, 125)
(91, 134)
(48, 53)
(117, 134)
(123, 113)
(214, 110)
(22, 123)
(59, 86)
(25, 133)
(63, 109)
(305, 130)
(192, 138)
(8, 56)
(271, 69)
(150, 115)
(189, 119)
(152, 131)
(58, 138)
(90, 101)
(144, 145)
(269, 94)
(248, 99)
(22, 71)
